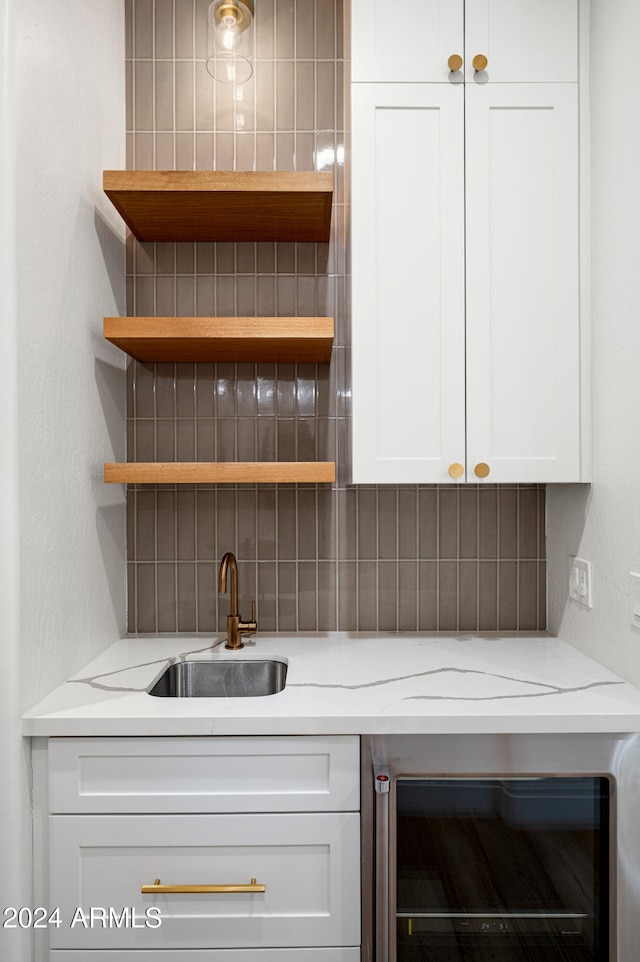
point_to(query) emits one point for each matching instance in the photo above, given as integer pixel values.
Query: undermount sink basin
(221, 679)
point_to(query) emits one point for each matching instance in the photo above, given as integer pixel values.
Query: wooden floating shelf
(221, 472)
(194, 339)
(164, 205)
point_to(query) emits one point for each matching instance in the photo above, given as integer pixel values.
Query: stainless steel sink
(221, 679)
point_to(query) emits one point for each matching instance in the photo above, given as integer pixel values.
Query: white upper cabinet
(407, 281)
(522, 40)
(523, 321)
(469, 350)
(405, 43)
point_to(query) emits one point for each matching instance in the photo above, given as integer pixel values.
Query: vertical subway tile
(145, 525)
(307, 520)
(307, 596)
(305, 95)
(407, 522)
(186, 600)
(164, 34)
(367, 531)
(284, 29)
(448, 522)
(448, 596)
(167, 598)
(367, 596)
(226, 521)
(143, 29)
(131, 598)
(326, 31)
(184, 96)
(285, 95)
(206, 524)
(407, 596)
(528, 523)
(468, 596)
(327, 597)
(468, 539)
(387, 523)
(488, 596)
(286, 600)
(528, 595)
(507, 595)
(266, 532)
(143, 96)
(206, 596)
(305, 29)
(186, 524)
(247, 528)
(184, 29)
(347, 501)
(146, 598)
(488, 522)
(387, 596)
(164, 95)
(325, 96)
(427, 596)
(165, 520)
(347, 596)
(265, 31)
(267, 597)
(286, 522)
(508, 523)
(427, 523)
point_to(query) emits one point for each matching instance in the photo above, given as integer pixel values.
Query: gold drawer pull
(157, 888)
(479, 62)
(482, 470)
(454, 62)
(456, 470)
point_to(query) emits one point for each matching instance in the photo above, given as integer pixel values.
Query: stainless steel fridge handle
(382, 785)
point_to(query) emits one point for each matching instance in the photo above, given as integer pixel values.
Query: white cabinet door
(530, 41)
(309, 864)
(523, 335)
(407, 234)
(404, 43)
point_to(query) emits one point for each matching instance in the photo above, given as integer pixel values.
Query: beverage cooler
(512, 860)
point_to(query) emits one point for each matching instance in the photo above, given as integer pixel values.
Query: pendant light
(230, 40)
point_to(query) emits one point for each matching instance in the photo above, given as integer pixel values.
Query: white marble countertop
(350, 683)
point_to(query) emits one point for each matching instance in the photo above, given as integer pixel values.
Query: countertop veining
(350, 683)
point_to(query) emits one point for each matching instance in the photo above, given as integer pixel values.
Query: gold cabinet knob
(479, 62)
(454, 62)
(456, 470)
(482, 470)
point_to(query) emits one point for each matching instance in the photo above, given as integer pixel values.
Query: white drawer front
(209, 955)
(226, 774)
(309, 863)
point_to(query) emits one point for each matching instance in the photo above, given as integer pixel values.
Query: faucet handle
(253, 610)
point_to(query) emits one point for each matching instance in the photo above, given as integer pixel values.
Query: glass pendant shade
(230, 40)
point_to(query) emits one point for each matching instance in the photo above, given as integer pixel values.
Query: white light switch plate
(580, 582)
(634, 600)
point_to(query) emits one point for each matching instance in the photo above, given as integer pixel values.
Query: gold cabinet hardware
(482, 470)
(479, 62)
(158, 889)
(456, 470)
(409, 926)
(454, 62)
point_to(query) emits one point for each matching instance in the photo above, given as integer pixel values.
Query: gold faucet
(236, 628)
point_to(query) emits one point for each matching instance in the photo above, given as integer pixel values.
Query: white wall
(70, 262)
(14, 797)
(602, 523)
(62, 560)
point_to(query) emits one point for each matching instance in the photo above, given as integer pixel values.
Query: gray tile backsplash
(314, 557)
